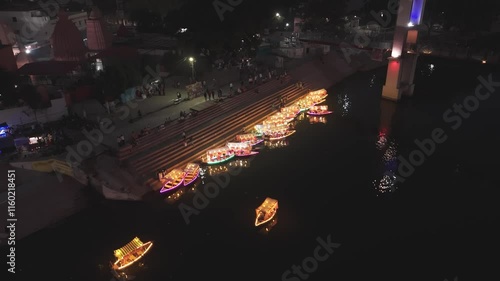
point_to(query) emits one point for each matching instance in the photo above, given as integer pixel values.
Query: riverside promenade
(54, 198)
(219, 123)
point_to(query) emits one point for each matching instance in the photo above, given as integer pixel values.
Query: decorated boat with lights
(269, 123)
(319, 110)
(250, 138)
(218, 155)
(174, 179)
(191, 173)
(280, 116)
(241, 149)
(266, 211)
(130, 253)
(291, 110)
(305, 103)
(318, 96)
(278, 134)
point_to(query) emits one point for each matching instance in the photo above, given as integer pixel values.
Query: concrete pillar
(403, 60)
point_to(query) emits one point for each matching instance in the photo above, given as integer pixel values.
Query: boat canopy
(268, 205)
(245, 136)
(127, 249)
(217, 150)
(238, 145)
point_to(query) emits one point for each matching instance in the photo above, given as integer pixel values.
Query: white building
(33, 26)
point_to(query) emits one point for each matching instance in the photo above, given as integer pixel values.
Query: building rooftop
(48, 68)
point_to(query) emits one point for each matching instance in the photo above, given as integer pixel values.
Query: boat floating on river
(241, 149)
(130, 253)
(174, 179)
(218, 155)
(191, 173)
(266, 211)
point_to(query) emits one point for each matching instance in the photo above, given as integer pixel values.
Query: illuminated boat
(318, 95)
(130, 253)
(241, 149)
(274, 122)
(250, 138)
(259, 130)
(305, 103)
(281, 116)
(191, 173)
(279, 134)
(218, 155)
(266, 211)
(291, 110)
(175, 178)
(319, 110)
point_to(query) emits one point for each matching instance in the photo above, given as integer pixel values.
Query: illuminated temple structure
(67, 42)
(98, 36)
(403, 60)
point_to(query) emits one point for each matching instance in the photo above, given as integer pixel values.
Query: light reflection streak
(387, 183)
(317, 119)
(276, 144)
(345, 104)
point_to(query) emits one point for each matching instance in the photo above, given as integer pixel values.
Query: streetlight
(277, 15)
(191, 60)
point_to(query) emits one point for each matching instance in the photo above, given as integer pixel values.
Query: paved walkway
(156, 109)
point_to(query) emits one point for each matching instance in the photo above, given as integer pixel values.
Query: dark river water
(358, 198)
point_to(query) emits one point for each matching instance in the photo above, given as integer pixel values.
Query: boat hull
(191, 173)
(189, 179)
(254, 143)
(171, 186)
(257, 222)
(247, 154)
(219, 161)
(320, 113)
(282, 137)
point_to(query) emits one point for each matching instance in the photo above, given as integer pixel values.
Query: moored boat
(130, 253)
(318, 95)
(266, 211)
(319, 110)
(278, 134)
(241, 149)
(305, 103)
(191, 173)
(218, 155)
(291, 110)
(174, 179)
(250, 138)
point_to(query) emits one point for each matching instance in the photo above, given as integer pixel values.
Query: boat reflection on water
(224, 168)
(175, 196)
(276, 144)
(317, 119)
(389, 148)
(267, 227)
(301, 116)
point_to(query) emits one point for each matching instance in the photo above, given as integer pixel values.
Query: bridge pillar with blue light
(403, 60)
